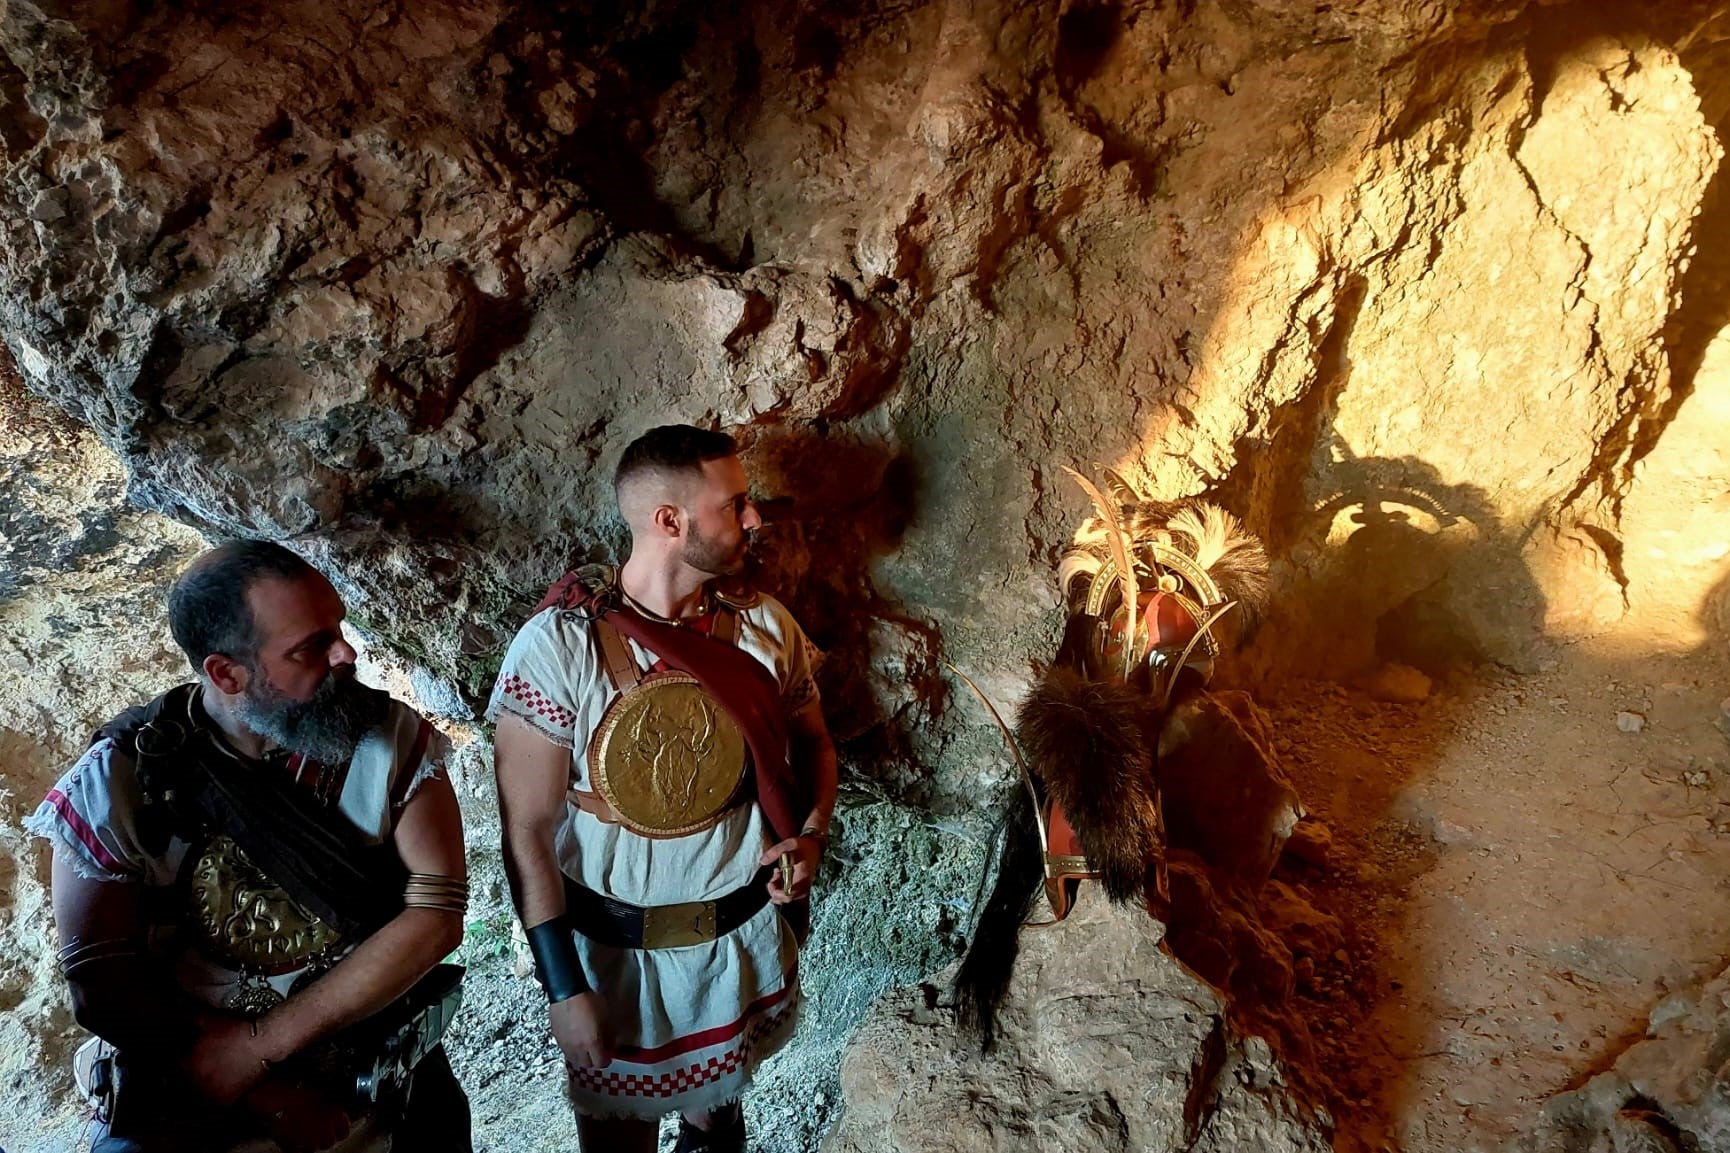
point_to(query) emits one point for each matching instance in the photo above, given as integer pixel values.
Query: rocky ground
(1526, 864)
(1520, 882)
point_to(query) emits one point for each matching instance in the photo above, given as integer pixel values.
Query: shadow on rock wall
(845, 502)
(1377, 573)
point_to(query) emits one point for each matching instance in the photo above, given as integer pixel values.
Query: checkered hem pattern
(522, 695)
(689, 1072)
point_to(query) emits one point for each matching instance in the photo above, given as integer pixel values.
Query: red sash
(734, 678)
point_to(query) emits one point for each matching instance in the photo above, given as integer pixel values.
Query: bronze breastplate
(243, 920)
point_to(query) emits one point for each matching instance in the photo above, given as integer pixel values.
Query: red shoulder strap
(566, 593)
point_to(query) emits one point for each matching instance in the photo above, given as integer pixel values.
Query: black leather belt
(623, 926)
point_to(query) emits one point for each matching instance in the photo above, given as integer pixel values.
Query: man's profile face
(719, 518)
(301, 689)
(299, 626)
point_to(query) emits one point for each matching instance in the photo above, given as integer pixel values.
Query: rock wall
(1415, 286)
(82, 578)
(1094, 1009)
(1403, 283)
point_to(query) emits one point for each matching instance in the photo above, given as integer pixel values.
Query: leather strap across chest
(623, 671)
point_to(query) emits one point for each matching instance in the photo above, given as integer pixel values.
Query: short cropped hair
(207, 608)
(671, 448)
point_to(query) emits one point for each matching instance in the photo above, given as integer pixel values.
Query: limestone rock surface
(1106, 1045)
(1422, 289)
(1666, 1094)
(75, 563)
(1403, 283)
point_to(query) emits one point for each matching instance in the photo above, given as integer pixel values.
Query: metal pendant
(667, 757)
(252, 998)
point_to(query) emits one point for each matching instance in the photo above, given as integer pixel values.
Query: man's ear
(669, 520)
(228, 675)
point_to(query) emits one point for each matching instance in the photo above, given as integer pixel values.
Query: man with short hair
(249, 868)
(666, 783)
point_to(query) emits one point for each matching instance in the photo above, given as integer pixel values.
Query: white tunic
(689, 1025)
(92, 816)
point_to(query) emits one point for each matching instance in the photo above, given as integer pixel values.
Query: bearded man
(666, 782)
(254, 878)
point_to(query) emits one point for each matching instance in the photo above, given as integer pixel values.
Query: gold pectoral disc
(667, 757)
(244, 919)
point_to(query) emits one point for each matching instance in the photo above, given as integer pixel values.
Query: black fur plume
(984, 974)
(1088, 742)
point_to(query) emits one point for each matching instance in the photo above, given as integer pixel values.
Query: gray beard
(326, 728)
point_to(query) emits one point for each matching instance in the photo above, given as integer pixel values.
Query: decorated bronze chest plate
(667, 757)
(245, 920)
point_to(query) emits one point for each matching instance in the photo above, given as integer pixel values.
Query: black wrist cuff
(556, 965)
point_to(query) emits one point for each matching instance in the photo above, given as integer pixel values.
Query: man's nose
(342, 653)
(752, 520)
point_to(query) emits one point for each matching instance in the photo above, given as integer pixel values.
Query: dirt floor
(1520, 880)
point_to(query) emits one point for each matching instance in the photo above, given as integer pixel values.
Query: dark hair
(671, 448)
(207, 609)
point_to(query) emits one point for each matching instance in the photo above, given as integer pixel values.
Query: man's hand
(226, 1060)
(805, 852)
(580, 1028)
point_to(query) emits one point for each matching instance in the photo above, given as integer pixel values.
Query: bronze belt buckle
(675, 926)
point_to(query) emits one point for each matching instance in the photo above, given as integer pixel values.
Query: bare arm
(117, 993)
(813, 755)
(533, 774)
(429, 839)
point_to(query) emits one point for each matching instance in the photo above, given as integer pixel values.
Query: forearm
(384, 967)
(533, 776)
(538, 888)
(817, 762)
(532, 868)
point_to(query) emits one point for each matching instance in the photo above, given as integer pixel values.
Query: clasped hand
(805, 852)
(231, 1063)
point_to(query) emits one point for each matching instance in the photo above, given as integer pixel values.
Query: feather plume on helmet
(1232, 564)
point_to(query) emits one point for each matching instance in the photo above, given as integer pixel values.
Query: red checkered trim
(608, 1083)
(539, 702)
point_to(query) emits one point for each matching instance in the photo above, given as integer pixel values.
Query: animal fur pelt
(983, 978)
(1091, 744)
(1090, 750)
